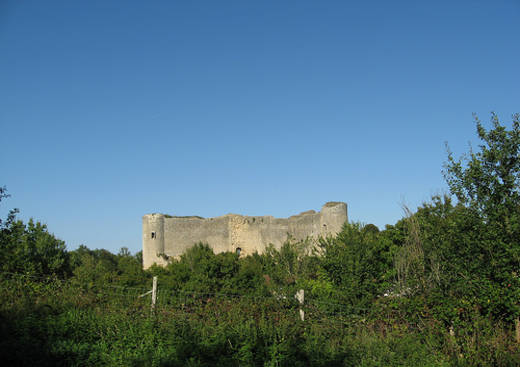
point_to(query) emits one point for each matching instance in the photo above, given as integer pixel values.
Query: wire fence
(18, 286)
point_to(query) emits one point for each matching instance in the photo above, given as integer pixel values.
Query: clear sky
(113, 109)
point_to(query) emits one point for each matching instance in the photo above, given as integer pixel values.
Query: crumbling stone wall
(165, 236)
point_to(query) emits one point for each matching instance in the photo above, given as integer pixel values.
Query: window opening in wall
(153, 235)
(238, 251)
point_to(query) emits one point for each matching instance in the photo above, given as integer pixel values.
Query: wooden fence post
(517, 329)
(154, 293)
(300, 296)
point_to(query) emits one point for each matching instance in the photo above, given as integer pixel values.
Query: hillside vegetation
(440, 287)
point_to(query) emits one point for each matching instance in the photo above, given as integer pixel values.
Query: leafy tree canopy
(487, 183)
(489, 180)
(30, 248)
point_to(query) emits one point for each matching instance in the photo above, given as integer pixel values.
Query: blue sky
(113, 109)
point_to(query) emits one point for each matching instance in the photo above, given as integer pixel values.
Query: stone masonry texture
(166, 236)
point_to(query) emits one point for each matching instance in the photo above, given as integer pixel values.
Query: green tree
(30, 248)
(94, 268)
(200, 270)
(11, 216)
(359, 263)
(487, 184)
(441, 262)
(489, 180)
(290, 265)
(130, 269)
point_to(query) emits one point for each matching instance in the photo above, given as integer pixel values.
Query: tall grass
(56, 324)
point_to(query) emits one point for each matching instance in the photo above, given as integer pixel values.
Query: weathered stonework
(166, 236)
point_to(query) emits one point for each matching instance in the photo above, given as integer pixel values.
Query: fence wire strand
(179, 301)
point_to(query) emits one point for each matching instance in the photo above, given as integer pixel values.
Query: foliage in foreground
(55, 323)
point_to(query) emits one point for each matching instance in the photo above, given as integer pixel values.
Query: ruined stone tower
(167, 236)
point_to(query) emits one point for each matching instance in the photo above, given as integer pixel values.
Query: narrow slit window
(153, 235)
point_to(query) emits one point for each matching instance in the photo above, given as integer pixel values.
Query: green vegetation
(441, 287)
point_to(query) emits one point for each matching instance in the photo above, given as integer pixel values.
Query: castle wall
(305, 225)
(333, 216)
(183, 233)
(153, 240)
(254, 234)
(165, 236)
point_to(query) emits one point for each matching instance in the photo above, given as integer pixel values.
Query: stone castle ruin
(166, 236)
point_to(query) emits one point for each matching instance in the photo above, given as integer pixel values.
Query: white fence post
(154, 293)
(300, 296)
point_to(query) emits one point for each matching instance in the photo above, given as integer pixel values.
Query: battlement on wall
(166, 236)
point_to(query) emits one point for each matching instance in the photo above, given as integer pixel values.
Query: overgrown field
(204, 318)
